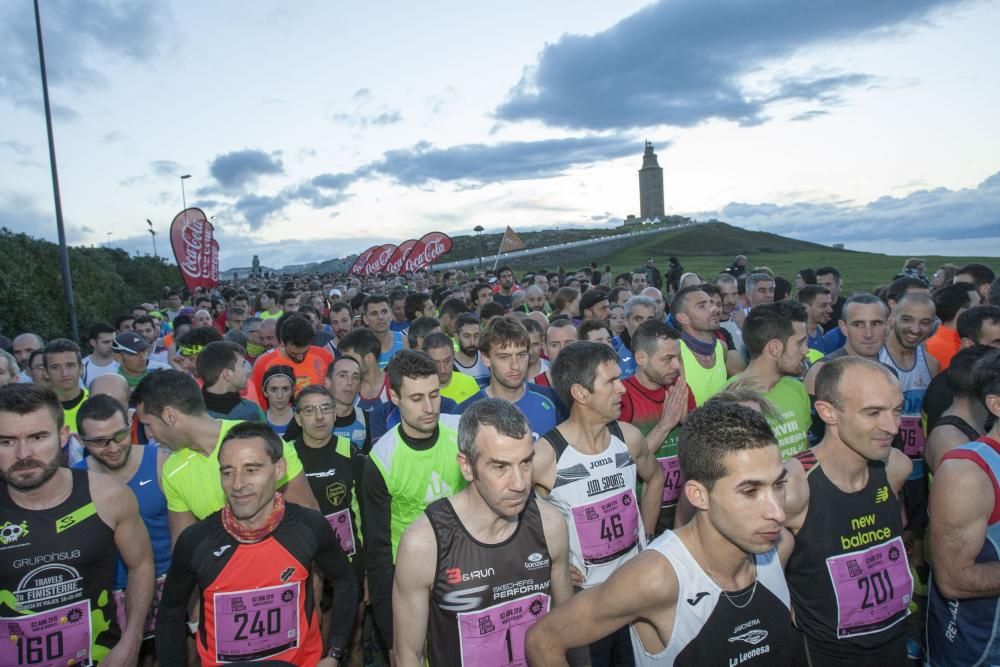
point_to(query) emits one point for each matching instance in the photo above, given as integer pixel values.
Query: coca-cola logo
(399, 256)
(426, 251)
(195, 249)
(378, 259)
(362, 260)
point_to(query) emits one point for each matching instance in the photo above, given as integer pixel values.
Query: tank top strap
(558, 441)
(808, 459)
(953, 420)
(616, 430)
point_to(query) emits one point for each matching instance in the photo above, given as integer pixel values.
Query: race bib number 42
(256, 624)
(873, 588)
(49, 638)
(494, 637)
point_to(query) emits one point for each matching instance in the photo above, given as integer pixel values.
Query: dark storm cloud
(238, 169)
(683, 62)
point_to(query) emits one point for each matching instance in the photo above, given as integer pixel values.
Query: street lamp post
(478, 229)
(152, 233)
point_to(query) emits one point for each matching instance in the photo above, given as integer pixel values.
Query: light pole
(152, 233)
(183, 196)
(109, 240)
(60, 230)
(478, 229)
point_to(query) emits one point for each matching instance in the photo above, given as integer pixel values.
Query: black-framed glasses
(118, 438)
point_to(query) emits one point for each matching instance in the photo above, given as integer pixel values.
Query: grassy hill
(708, 249)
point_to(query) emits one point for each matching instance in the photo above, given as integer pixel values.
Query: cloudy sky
(313, 129)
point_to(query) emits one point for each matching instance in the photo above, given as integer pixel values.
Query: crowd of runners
(499, 468)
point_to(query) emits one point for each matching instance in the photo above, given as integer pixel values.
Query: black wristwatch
(337, 654)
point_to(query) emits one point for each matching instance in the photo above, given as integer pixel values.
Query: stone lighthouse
(650, 186)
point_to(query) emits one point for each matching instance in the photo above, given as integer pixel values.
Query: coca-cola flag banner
(195, 248)
(395, 262)
(426, 251)
(359, 263)
(379, 259)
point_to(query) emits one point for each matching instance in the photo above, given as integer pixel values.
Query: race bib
(256, 624)
(150, 626)
(873, 588)
(342, 526)
(47, 639)
(912, 434)
(672, 481)
(494, 637)
(607, 528)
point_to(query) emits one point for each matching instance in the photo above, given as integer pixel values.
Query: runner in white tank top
(713, 592)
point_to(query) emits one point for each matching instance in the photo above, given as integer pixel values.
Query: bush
(106, 283)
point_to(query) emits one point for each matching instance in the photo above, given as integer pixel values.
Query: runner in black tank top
(848, 575)
(966, 418)
(712, 592)
(485, 596)
(478, 569)
(57, 562)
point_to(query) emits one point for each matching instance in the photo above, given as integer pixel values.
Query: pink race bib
(607, 528)
(150, 626)
(47, 639)
(342, 526)
(912, 434)
(673, 483)
(494, 637)
(256, 624)
(873, 588)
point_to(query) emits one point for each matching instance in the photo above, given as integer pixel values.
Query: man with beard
(905, 353)
(252, 564)
(504, 295)
(730, 314)
(534, 299)
(818, 304)
(702, 353)
(775, 335)
(468, 360)
(341, 321)
(495, 526)
(106, 435)
(504, 346)
(656, 401)
(594, 305)
(59, 531)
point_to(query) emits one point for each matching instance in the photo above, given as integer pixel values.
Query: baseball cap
(129, 342)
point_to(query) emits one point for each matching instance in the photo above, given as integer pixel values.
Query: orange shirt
(311, 370)
(943, 345)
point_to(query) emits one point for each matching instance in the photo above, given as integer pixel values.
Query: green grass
(708, 249)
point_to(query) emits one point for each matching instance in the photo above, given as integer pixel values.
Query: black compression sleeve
(171, 616)
(333, 563)
(377, 526)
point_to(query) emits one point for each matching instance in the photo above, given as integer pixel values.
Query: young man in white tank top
(712, 592)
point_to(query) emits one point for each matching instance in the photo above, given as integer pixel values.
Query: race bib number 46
(873, 588)
(49, 638)
(608, 528)
(494, 637)
(256, 624)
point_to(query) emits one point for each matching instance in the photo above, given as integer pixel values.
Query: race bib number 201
(873, 588)
(49, 638)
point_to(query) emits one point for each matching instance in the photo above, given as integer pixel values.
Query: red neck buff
(251, 535)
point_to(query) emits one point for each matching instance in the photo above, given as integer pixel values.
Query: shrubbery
(106, 283)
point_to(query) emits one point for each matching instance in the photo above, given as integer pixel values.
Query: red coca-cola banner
(395, 262)
(378, 259)
(195, 248)
(426, 251)
(359, 263)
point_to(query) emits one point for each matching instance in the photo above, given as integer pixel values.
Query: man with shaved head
(22, 347)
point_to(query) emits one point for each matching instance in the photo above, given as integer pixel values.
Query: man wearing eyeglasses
(333, 468)
(104, 430)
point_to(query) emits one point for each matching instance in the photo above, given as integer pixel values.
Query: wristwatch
(337, 654)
